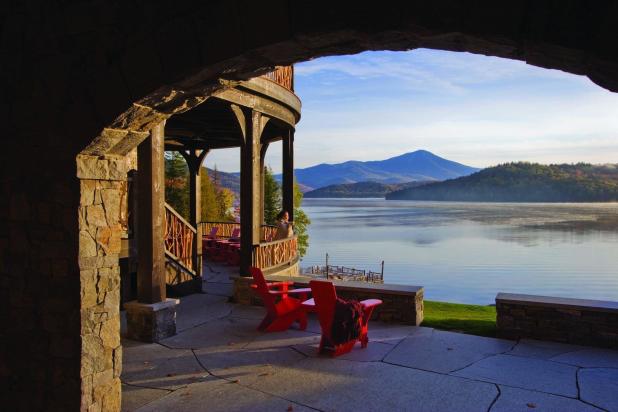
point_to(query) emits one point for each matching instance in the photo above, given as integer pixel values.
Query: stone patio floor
(219, 362)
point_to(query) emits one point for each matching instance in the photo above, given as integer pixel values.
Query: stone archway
(110, 75)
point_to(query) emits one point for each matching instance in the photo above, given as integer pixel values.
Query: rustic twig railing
(267, 232)
(179, 237)
(282, 75)
(278, 252)
(225, 228)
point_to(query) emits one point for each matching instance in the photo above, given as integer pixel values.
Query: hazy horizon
(472, 109)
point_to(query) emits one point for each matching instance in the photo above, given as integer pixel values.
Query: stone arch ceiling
(167, 59)
(72, 71)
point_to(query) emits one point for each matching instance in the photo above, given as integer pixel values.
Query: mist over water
(468, 252)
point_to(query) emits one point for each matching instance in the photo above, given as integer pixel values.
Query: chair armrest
(279, 284)
(310, 303)
(289, 292)
(368, 303)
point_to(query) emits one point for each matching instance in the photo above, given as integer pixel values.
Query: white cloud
(469, 108)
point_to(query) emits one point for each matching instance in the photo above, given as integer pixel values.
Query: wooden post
(262, 173)
(252, 124)
(151, 218)
(194, 159)
(287, 186)
(327, 266)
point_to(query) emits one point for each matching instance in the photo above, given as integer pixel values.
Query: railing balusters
(179, 237)
(282, 75)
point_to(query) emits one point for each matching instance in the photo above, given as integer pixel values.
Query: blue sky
(474, 109)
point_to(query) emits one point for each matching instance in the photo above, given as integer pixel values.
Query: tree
(301, 221)
(216, 201)
(176, 183)
(272, 197)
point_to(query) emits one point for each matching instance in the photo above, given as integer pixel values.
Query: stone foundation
(151, 322)
(401, 304)
(577, 321)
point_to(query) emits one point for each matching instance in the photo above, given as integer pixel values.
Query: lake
(468, 252)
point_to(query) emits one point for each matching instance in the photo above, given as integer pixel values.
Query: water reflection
(468, 252)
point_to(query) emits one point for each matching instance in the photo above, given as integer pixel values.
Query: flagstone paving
(219, 362)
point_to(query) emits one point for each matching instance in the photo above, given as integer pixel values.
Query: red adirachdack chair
(208, 242)
(324, 299)
(281, 309)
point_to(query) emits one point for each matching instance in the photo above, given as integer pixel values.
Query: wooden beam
(249, 186)
(194, 159)
(261, 104)
(151, 218)
(287, 184)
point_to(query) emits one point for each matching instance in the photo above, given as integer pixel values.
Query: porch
(220, 362)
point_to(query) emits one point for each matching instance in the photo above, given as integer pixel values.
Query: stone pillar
(102, 181)
(250, 174)
(152, 316)
(287, 186)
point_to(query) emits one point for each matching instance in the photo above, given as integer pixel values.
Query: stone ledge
(576, 321)
(565, 303)
(401, 303)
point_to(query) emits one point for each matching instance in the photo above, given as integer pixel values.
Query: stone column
(287, 186)
(250, 175)
(152, 317)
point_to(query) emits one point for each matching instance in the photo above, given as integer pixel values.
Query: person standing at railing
(284, 227)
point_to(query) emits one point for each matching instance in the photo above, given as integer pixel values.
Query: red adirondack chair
(208, 241)
(324, 299)
(281, 309)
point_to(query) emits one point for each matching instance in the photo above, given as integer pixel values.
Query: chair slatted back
(325, 297)
(262, 288)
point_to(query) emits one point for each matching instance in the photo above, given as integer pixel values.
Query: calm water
(468, 252)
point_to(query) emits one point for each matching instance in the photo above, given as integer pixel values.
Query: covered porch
(168, 247)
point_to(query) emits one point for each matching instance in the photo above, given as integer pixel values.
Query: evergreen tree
(301, 221)
(176, 183)
(272, 197)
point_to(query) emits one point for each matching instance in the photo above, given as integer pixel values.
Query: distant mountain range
(524, 182)
(419, 165)
(361, 189)
(227, 180)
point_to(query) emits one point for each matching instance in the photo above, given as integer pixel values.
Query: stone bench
(401, 303)
(578, 321)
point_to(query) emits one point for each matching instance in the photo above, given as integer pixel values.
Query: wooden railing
(225, 228)
(267, 232)
(282, 75)
(278, 252)
(179, 238)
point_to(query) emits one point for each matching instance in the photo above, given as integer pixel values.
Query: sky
(473, 109)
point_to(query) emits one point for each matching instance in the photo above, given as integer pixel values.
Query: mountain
(414, 166)
(524, 182)
(360, 189)
(227, 180)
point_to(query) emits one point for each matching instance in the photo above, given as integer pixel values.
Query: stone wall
(578, 321)
(400, 304)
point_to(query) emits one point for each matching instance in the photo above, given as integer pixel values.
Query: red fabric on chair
(325, 301)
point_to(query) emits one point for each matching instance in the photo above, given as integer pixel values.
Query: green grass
(471, 319)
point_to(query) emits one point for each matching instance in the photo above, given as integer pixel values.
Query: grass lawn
(471, 319)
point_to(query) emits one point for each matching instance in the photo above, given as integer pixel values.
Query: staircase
(182, 264)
